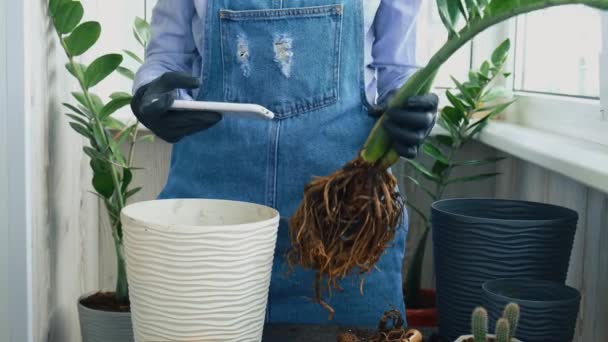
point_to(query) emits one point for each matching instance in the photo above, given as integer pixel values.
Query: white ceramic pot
(199, 270)
(465, 337)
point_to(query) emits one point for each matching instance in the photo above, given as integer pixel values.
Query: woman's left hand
(410, 125)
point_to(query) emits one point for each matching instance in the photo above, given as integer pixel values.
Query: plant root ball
(344, 224)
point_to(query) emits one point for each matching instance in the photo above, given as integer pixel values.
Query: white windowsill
(583, 161)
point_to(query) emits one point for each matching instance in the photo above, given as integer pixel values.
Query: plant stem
(122, 286)
(378, 144)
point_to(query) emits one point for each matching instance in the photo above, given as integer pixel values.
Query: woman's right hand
(152, 103)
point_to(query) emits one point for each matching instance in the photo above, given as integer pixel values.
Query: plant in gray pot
(549, 309)
(477, 240)
(104, 316)
(506, 326)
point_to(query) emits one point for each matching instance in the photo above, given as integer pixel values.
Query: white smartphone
(243, 110)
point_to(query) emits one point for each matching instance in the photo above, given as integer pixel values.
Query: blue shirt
(390, 47)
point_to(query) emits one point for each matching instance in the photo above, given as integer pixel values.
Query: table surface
(307, 333)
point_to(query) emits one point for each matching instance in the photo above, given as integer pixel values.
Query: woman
(317, 64)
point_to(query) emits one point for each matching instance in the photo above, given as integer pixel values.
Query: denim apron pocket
(287, 60)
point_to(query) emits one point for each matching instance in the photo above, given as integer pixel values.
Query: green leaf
(456, 102)
(496, 93)
(77, 70)
(103, 184)
(54, 6)
(67, 16)
(453, 115)
(449, 12)
(113, 106)
(98, 157)
(434, 152)
(479, 162)
(83, 38)
(485, 68)
(126, 73)
(473, 178)
(76, 110)
(101, 68)
(439, 168)
(120, 95)
(82, 130)
(126, 179)
(465, 93)
(132, 192)
(445, 140)
(112, 123)
(475, 10)
(479, 125)
(123, 135)
(499, 56)
(134, 56)
(141, 29)
(423, 170)
(78, 119)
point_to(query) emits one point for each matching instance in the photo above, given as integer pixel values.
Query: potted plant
(374, 221)
(476, 103)
(548, 308)
(104, 316)
(506, 326)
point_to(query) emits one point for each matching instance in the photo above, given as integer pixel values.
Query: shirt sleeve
(394, 48)
(172, 46)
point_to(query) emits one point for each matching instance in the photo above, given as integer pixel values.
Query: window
(564, 62)
(431, 36)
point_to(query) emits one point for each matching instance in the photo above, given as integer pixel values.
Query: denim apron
(302, 59)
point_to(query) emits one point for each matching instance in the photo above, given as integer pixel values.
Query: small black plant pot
(548, 309)
(476, 240)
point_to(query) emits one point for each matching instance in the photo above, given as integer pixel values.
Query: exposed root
(344, 224)
(390, 329)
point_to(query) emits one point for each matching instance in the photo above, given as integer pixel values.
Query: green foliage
(503, 331)
(460, 120)
(479, 324)
(91, 116)
(464, 19)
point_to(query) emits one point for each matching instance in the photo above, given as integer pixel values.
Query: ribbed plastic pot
(476, 240)
(199, 270)
(104, 326)
(549, 310)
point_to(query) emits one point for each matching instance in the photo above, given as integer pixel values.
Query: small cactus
(503, 331)
(479, 324)
(511, 314)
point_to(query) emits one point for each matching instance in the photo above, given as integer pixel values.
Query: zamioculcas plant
(91, 117)
(347, 219)
(476, 97)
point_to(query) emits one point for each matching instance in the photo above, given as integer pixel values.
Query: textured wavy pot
(476, 240)
(199, 270)
(548, 309)
(104, 326)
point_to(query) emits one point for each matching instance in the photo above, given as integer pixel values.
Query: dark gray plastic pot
(104, 326)
(476, 240)
(548, 309)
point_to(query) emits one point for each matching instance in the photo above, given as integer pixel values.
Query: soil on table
(105, 301)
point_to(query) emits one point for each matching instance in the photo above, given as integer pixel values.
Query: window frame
(577, 117)
(15, 182)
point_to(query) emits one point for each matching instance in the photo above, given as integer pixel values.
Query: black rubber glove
(410, 125)
(152, 106)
